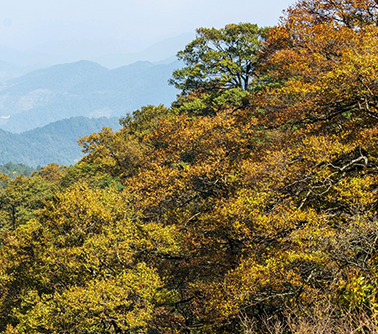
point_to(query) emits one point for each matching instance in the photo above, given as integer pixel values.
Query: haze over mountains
(111, 53)
(82, 96)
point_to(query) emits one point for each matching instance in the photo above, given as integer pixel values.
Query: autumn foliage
(257, 217)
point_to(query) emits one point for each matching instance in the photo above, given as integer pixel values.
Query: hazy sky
(27, 23)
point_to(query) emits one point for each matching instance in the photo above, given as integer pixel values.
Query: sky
(26, 24)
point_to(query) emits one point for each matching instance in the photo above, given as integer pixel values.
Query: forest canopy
(245, 208)
(220, 58)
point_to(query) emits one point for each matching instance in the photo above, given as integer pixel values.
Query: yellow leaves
(123, 301)
(197, 139)
(324, 65)
(163, 239)
(318, 149)
(83, 265)
(354, 193)
(83, 209)
(256, 281)
(11, 330)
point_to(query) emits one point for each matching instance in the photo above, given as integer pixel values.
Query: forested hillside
(13, 170)
(249, 206)
(55, 142)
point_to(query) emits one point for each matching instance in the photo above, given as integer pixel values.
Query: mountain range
(82, 88)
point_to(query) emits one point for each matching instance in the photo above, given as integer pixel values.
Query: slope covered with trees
(234, 211)
(13, 170)
(55, 142)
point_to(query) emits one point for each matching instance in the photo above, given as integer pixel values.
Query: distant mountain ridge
(82, 88)
(56, 142)
(111, 53)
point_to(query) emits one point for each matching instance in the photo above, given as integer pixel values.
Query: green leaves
(220, 59)
(20, 197)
